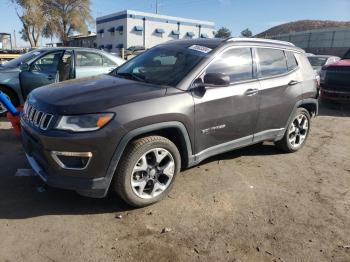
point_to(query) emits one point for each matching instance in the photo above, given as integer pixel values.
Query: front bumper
(94, 180)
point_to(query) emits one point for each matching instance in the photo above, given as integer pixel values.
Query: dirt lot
(254, 204)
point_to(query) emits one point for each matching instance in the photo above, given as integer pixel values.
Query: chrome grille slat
(37, 118)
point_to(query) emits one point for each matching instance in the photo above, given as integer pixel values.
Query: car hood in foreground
(93, 94)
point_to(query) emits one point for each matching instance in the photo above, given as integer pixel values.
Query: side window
(291, 61)
(272, 62)
(108, 62)
(236, 62)
(85, 59)
(47, 63)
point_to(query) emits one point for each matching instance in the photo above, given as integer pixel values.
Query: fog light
(72, 160)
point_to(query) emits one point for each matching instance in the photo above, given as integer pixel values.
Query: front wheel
(297, 132)
(147, 171)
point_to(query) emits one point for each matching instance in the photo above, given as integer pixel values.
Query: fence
(334, 41)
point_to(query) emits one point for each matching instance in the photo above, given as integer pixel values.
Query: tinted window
(272, 62)
(237, 63)
(88, 59)
(48, 62)
(291, 61)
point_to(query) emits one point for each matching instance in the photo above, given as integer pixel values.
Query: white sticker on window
(200, 48)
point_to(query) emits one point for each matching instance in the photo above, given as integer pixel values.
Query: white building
(132, 28)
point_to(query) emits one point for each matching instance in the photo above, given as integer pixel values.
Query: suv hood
(93, 94)
(344, 62)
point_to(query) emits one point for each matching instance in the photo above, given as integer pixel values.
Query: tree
(68, 16)
(223, 32)
(33, 18)
(246, 33)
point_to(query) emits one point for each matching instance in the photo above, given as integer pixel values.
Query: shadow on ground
(21, 197)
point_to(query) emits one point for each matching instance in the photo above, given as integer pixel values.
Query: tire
(300, 134)
(141, 178)
(13, 98)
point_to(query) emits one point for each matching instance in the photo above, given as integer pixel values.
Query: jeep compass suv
(169, 108)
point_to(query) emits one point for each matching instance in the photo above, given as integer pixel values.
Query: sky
(257, 15)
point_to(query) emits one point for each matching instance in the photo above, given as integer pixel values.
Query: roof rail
(259, 40)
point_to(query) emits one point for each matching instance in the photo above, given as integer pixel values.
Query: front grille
(338, 78)
(37, 118)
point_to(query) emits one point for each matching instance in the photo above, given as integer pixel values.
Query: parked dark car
(335, 80)
(49, 65)
(169, 108)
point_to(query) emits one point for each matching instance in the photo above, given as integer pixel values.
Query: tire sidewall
(299, 111)
(126, 174)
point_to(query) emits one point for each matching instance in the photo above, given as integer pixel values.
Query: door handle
(293, 82)
(50, 77)
(251, 92)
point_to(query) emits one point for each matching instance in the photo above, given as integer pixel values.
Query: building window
(101, 32)
(120, 29)
(138, 28)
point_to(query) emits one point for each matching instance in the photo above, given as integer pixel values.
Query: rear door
(226, 115)
(42, 71)
(280, 89)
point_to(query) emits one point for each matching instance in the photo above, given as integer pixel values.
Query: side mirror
(216, 80)
(24, 67)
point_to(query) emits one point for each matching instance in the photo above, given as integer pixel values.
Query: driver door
(227, 116)
(42, 71)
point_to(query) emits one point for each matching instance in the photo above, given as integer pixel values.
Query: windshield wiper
(131, 76)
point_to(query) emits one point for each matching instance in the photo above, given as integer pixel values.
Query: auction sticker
(200, 48)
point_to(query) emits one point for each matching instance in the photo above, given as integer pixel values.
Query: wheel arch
(174, 131)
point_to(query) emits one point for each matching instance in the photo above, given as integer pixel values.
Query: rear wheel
(297, 132)
(147, 171)
(11, 96)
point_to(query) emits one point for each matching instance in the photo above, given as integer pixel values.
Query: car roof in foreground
(214, 43)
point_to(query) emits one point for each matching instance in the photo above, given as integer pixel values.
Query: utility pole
(157, 6)
(14, 39)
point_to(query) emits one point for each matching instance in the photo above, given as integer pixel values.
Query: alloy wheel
(298, 131)
(153, 173)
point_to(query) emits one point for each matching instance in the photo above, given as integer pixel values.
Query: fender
(298, 104)
(134, 133)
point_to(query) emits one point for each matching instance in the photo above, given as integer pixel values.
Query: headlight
(84, 123)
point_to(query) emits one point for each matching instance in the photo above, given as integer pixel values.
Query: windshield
(317, 61)
(347, 55)
(162, 65)
(23, 58)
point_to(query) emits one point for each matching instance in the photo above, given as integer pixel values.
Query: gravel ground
(253, 204)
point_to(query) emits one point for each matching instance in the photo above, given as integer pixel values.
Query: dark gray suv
(169, 108)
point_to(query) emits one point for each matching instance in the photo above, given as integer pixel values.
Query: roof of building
(151, 16)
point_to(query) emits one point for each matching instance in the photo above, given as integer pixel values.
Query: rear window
(272, 62)
(317, 61)
(291, 61)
